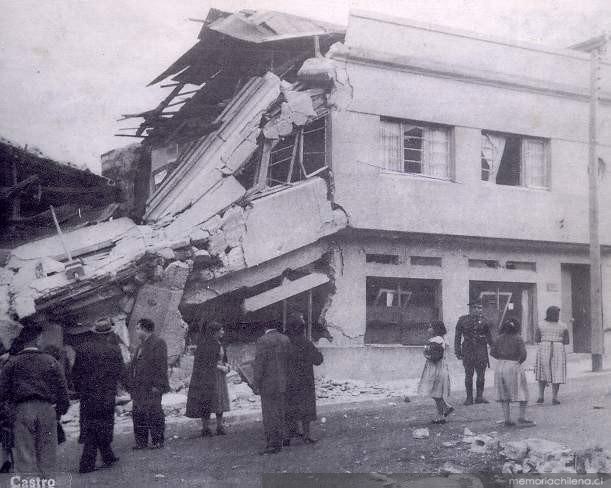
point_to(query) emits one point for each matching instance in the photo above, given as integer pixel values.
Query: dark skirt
(212, 397)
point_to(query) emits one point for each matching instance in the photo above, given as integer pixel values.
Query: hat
(475, 301)
(103, 326)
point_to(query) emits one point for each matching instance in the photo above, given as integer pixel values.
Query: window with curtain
(508, 159)
(416, 148)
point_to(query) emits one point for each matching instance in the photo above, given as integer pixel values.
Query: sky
(70, 68)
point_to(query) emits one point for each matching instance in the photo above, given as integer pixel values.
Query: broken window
(483, 263)
(514, 160)
(399, 310)
(425, 261)
(298, 156)
(416, 148)
(521, 265)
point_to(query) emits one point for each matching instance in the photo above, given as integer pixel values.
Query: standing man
(471, 342)
(148, 378)
(33, 382)
(270, 378)
(97, 369)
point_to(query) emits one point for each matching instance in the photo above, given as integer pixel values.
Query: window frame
(404, 124)
(524, 139)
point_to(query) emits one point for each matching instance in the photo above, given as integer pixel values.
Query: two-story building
(462, 163)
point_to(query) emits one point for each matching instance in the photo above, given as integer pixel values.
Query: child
(509, 377)
(435, 379)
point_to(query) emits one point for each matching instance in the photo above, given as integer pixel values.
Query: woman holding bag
(435, 379)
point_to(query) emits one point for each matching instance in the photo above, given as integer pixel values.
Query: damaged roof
(232, 48)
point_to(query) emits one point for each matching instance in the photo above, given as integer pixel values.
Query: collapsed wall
(218, 214)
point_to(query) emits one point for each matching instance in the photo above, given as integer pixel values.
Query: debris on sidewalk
(449, 468)
(421, 433)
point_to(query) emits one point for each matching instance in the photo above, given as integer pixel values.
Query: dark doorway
(580, 305)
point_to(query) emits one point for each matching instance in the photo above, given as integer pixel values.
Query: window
(415, 148)
(514, 160)
(424, 261)
(299, 155)
(483, 263)
(399, 309)
(521, 265)
(382, 258)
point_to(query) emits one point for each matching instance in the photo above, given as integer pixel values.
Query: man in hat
(473, 335)
(148, 378)
(34, 383)
(98, 366)
(270, 377)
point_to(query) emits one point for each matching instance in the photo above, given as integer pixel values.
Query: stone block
(166, 253)
(175, 275)
(199, 237)
(515, 450)
(217, 243)
(421, 433)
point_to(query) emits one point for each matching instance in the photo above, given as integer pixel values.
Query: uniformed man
(473, 335)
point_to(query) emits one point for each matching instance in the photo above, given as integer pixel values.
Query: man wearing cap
(98, 366)
(34, 383)
(473, 335)
(148, 378)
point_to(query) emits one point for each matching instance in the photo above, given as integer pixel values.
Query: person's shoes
(157, 445)
(221, 431)
(481, 400)
(526, 423)
(137, 447)
(555, 402)
(270, 450)
(86, 470)
(438, 421)
(540, 400)
(108, 464)
(509, 423)
(309, 440)
(286, 442)
(448, 411)
(468, 401)
(206, 433)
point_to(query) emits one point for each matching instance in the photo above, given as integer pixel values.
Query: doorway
(503, 300)
(576, 300)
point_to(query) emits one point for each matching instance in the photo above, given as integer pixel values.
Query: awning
(285, 290)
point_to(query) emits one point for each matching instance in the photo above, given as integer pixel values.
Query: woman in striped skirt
(550, 366)
(509, 377)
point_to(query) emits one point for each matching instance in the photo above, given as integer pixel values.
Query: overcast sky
(70, 68)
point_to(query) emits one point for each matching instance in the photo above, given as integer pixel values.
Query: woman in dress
(509, 378)
(208, 387)
(300, 391)
(435, 379)
(550, 366)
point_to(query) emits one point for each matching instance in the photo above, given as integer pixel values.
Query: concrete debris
(421, 433)
(449, 444)
(593, 460)
(484, 444)
(539, 456)
(448, 468)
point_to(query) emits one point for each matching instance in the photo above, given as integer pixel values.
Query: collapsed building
(373, 179)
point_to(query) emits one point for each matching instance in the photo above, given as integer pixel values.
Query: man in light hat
(98, 366)
(473, 335)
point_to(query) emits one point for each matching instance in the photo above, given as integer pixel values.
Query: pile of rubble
(543, 456)
(532, 456)
(346, 390)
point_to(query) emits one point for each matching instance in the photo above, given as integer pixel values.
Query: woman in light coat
(550, 365)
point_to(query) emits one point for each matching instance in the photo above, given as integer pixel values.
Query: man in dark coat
(33, 382)
(301, 392)
(270, 378)
(98, 367)
(473, 335)
(148, 380)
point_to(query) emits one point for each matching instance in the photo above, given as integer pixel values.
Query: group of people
(283, 375)
(33, 383)
(33, 388)
(474, 342)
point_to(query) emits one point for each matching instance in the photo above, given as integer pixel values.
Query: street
(374, 436)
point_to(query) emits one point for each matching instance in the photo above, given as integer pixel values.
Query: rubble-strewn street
(372, 436)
